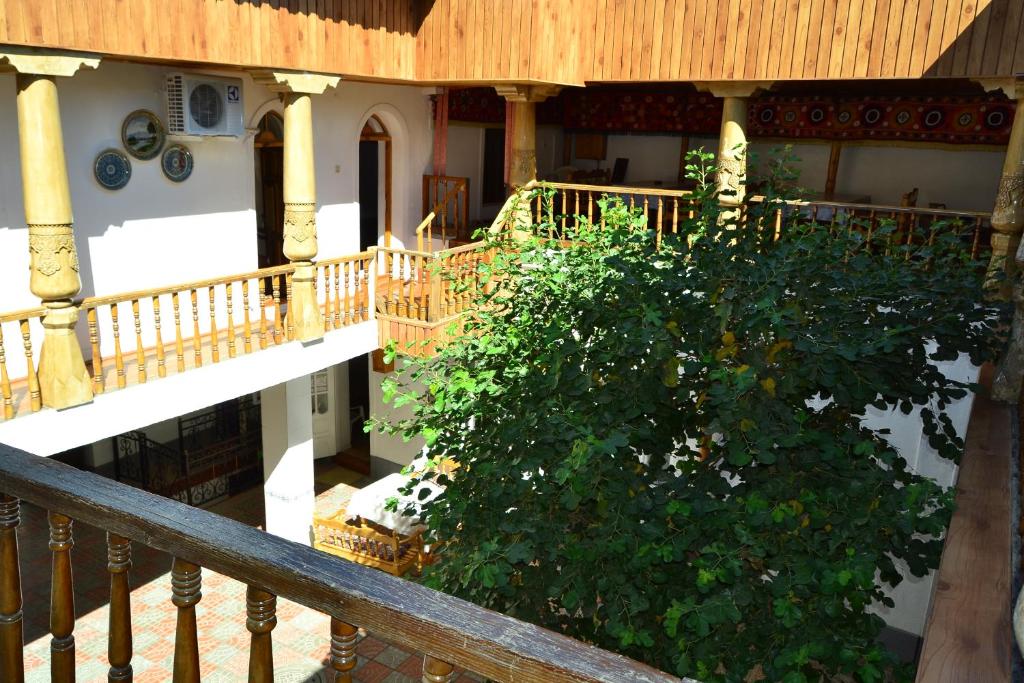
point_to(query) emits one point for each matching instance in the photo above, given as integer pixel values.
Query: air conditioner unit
(204, 105)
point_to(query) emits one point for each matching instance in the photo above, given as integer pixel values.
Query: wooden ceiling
(550, 41)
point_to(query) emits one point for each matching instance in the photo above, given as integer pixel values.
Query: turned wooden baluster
(179, 344)
(392, 306)
(590, 207)
(62, 600)
(343, 650)
(328, 304)
(347, 280)
(94, 344)
(229, 290)
(186, 592)
(275, 287)
(437, 671)
(263, 316)
(261, 618)
(246, 324)
(337, 277)
(425, 276)
(565, 210)
(214, 336)
(161, 362)
(5, 381)
(140, 353)
(122, 380)
(30, 367)
(290, 327)
(12, 666)
(363, 291)
(197, 340)
(119, 645)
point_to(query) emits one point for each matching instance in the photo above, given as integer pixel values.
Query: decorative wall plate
(142, 134)
(112, 169)
(177, 163)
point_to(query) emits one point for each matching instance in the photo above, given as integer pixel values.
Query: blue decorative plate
(112, 169)
(177, 163)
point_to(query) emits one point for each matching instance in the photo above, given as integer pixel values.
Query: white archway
(402, 180)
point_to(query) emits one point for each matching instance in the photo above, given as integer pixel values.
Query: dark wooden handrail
(439, 625)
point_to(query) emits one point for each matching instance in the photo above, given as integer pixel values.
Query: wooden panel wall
(494, 40)
(692, 40)
(558, 41)
(371, 38)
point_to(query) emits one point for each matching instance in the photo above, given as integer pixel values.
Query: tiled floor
(301, 638)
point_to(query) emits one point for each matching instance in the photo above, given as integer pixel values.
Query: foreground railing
(449, 631)
(135, 337)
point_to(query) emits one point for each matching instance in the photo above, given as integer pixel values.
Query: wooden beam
(833, 168)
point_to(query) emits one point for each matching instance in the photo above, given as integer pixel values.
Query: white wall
(466, 158)
(964, 179)
(390, 447)
(155, 232)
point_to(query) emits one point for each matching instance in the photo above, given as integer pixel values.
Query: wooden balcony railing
(445, 211)
(449, 631)
(569, 202)
(907, 225)
(422, 296)
(130, 337)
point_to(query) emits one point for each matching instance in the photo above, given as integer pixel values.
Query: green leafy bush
(660, 446)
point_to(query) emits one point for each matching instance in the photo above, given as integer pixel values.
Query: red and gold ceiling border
(677, 110)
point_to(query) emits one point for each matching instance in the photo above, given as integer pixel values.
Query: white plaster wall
(466, 159)
(154, 232)
(390, 447)
(964, 179)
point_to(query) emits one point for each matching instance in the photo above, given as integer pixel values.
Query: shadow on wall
(397, 17)
(984, 45)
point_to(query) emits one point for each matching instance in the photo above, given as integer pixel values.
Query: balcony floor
(301, 638)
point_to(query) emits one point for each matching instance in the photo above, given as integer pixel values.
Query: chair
(619, 170)
(907, 200)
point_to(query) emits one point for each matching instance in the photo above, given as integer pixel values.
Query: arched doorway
(269, 171)
(374, 184)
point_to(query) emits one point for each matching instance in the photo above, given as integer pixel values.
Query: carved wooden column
(732, 140)
(1007, 259)
(524, 99)
(1008, 212)
(63, 379)
(12, 666)
(523, 156)
(300, 245)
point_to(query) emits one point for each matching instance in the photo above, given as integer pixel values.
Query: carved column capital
(732, 88)
(42, 62)
(295, 81)
(516, 92)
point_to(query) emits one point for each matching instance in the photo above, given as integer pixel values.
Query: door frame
(374, 130)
